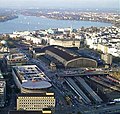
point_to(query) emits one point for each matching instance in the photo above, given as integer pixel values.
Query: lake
(35, 23)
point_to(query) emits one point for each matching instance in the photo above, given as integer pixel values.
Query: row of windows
(19, 60)
(36, 103)
(39, 103)
(31, 108)
(34, 106)
(36, 100)
(35, 97)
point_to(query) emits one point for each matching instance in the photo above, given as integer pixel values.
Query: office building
(44, 111)
(35, 101)
(30, 79)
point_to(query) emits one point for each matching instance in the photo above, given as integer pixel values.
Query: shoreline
(39, 19)
(42, 16)
(7, 18)
(110, 18)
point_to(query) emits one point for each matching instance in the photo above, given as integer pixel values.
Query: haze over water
(99, 4)
(35, 23)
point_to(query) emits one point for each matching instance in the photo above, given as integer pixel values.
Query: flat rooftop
(48, 94)
(31, 77)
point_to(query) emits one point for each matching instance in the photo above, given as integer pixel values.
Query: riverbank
(105, 17)
(7, 17)
(30, 23)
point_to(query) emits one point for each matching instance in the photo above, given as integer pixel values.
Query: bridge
(94, 73)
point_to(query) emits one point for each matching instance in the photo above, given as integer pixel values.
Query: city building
(15, 57)
(33, 39)
(65, 42)
(68, 59)
(35, 52)
(64, 56)
(103, 48)
(4, 47)
(35, 101)
(19, 34)
(44, 111)
(30, 79)
(106, 40)
(52, 66)
(107, 58)
(2, 90)
(59, 36)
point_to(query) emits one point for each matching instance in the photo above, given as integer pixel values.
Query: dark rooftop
(57, 50)
(62, 53)
(34, 95)
(41, 49)
(25, 112)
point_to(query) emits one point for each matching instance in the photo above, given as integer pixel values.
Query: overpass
(94, 73)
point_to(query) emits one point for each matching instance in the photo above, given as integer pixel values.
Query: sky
(60, 4)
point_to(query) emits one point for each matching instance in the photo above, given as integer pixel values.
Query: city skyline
(59, 56)
(60, 4)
